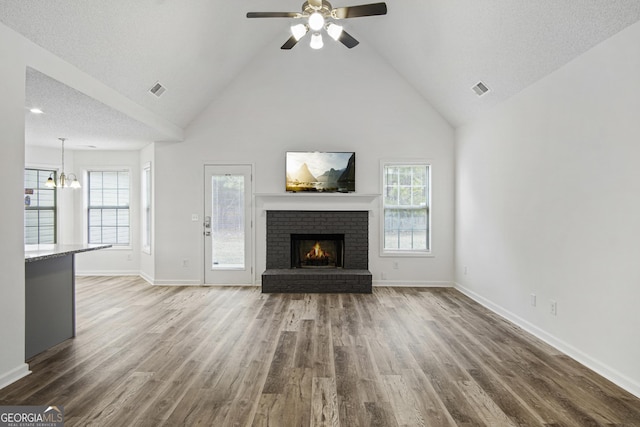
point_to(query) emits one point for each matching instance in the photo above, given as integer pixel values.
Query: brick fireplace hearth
(353, 274)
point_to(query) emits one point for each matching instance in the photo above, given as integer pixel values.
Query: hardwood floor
(212, 356)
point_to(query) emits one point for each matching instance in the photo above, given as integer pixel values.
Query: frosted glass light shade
(316, 21)
(334, 31)
(316, 41)
(299, 31)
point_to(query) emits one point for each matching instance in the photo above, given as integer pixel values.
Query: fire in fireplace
(317, 256)
(317, 250)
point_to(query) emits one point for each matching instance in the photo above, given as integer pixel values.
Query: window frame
(89, 207)
(384, 252)
(49, 171)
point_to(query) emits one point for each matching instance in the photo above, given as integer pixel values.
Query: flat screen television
(320, 172)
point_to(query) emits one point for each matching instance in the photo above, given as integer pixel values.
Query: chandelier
(65, 181)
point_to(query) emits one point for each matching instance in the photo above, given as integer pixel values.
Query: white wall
(12, 88)
(117, 260)
(548, 202)
(302, 100)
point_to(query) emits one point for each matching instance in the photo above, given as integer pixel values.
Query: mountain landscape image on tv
(322, 172)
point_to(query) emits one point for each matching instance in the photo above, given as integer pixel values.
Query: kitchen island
(50, 309)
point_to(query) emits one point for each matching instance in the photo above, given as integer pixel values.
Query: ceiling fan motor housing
(323, 7)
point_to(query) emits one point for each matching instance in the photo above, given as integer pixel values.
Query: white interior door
(227, 225)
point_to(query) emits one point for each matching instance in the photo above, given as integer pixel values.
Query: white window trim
(85, 207)
(406, 253)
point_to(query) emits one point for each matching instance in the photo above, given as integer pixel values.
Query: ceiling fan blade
(273, 15)
(347, 40)
(289, 43)
(371, 9)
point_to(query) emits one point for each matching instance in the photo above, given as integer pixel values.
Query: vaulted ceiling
(196, 48)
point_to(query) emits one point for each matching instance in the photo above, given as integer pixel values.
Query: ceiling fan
(319, 15)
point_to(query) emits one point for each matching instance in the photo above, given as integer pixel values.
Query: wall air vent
(480, 89)
(157, 89)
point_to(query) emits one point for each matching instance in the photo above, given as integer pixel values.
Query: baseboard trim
(179, 282)
(108, 273)
(412, 284)
(194, 283)
(176, 282)
(151, 280)
(147, 278)
(14, 375)
(595, 365)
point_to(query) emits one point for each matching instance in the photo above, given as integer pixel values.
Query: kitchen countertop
(40, 252)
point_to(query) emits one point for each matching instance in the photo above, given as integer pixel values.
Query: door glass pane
(227, 221)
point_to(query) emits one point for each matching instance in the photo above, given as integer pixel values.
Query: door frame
(252, 228)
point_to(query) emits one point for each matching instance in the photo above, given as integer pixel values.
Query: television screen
(321, 172)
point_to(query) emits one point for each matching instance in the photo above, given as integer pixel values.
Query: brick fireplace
(345, 236)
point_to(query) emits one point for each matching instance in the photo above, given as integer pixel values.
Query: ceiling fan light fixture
(316, 21)
(316, 41)
(318, 15)
(298, 31)
(334, 31)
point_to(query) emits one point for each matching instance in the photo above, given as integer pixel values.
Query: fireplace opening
(317, 250)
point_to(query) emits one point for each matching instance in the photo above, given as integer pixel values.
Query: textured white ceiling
(85, 122)
(195, 48)
(443, 48)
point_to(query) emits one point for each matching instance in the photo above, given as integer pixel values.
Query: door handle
(207, 233)
(207, 222)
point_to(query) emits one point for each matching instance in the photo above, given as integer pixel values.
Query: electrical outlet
(383, 275)
(553, 308)
(185, 262)
(533, 300)
(395, 265)
(129, 257)
(195, 217)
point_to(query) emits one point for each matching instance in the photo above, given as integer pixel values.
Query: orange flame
(316, 252)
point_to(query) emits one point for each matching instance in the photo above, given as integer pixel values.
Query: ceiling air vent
(480, 89)
(157, 89)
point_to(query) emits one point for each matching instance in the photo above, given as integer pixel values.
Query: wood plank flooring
(231, 356)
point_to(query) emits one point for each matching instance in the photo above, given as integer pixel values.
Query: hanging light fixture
(334, 30)
(63, 181)
(316, 41)
(316, 21)
(318, 15)
(298, 31)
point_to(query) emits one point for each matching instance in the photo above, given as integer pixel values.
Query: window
(40, 216)
(146, 208)
(406, 193)
(108, 212)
